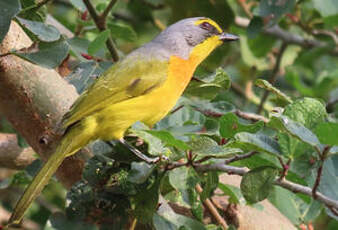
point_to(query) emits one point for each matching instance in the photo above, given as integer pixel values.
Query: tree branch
(34, 100)
(287, 37)
(12, 156)
(100, 22)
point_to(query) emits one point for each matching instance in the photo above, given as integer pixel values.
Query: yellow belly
(149, 108)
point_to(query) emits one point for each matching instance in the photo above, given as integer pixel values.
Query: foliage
(292, 129)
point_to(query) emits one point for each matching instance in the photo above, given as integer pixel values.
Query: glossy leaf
(233, 192)
(266, 85)
(168, 139)
(8, 9)
(275, 8)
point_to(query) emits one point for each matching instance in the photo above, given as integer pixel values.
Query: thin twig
(240, 157)
(107, 10)
(293, 187)
(320, 170)
(285, 168)
(245, 8)
(289, 38)
(100, 23)
(274, 75)
(212, 209)
(251, 116)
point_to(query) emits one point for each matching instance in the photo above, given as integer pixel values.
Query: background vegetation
(264, 108)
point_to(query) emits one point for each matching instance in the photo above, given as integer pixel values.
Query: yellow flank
(115, 119)
(210, 22)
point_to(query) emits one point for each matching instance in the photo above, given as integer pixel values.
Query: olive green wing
(126, 79)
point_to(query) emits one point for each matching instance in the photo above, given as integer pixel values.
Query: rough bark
(34, 100)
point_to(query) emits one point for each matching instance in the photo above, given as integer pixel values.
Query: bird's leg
(139, 154)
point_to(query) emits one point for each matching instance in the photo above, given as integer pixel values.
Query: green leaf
(184, 180)
(8, 9)
(79, 5)
(146, 202)
(49, 55)
(327, 8)
(85, 73)
(206, 146)
(99, 42)
(59, 221)
(249, 58)
(209, 87)
(255, 27)
(257, 183)
(327, 133)
(169, 220)
(234, 193)
(295, 129)
(155, 145)
(266, 85)
(307, 111)
(122, 31)
(169, 139)
(45, 33)
(209, 185)
(258, 142)
(275, 9)
(230, 125)
(139, 172)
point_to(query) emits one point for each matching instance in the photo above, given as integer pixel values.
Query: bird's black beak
(225, 37)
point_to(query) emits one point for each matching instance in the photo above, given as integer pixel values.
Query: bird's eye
(207, 26)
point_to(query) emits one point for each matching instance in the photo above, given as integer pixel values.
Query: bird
(144, 86)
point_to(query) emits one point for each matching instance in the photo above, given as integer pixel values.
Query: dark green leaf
(259, 142)
(8, 9)
(45, 33)
(99, 42)
(274, 9)
(59, 221)
(146, 202)
(122, 31)
(230, 125)
(139, 172)
(257, 183)
(255, 27)
(327, 133)
(49, 55)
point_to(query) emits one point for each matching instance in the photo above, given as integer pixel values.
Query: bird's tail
(73, 141)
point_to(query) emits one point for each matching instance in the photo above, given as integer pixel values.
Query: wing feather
(129, 78)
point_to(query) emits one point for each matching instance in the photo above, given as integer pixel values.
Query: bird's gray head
(181, 37)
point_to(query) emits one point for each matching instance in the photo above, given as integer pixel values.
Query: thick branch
(12, 156)
(287, 37)
(296, 188)
(34, 99)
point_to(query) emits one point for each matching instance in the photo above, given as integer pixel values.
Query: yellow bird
(144, 87)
